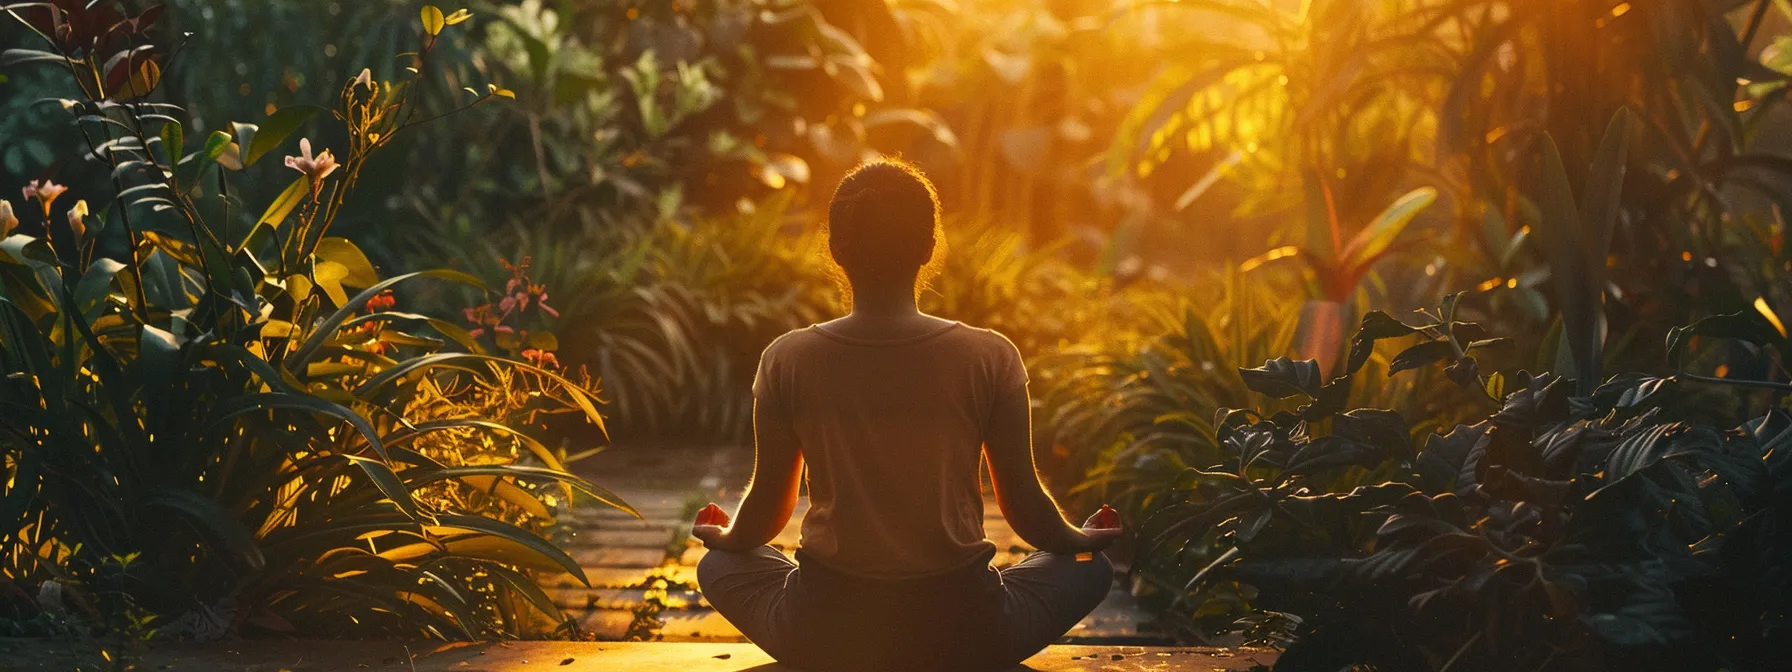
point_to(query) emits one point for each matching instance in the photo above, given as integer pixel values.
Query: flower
(316, 168)
(541, 358)
(8, 222)
(365, 78)
(44, 192)
(541, 301)
(77, 220)
(381, 301)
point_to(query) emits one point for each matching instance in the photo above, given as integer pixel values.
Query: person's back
(892, 431)
(893, 411)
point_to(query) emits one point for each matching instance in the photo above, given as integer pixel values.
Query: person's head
(884, 227)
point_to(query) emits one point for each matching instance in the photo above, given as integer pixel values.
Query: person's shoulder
(795, 338)
(990, 339)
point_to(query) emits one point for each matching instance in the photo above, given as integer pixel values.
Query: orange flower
(382, 301)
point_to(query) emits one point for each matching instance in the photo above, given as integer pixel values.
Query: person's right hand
(1104, 527)
(711, 524)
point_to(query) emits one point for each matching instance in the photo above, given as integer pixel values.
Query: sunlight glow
(1767, 312)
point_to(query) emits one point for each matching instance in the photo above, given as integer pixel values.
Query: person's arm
(771, 494)
(1021, 493)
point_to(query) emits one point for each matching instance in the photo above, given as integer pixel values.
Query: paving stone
(626, 577)
(603, 556)
(654, 537)
(580, 599)
(317, 656)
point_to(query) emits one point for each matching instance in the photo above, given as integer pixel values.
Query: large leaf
(1375, 239)
(233, 407)
(1283, 377)
(206, 515)
(1576, 242)
(497, 530)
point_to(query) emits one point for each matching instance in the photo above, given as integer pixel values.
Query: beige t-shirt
(892, 431)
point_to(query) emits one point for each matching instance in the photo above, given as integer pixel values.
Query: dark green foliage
(1559, 533)
(206, 433)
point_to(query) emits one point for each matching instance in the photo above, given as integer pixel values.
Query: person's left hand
(711, 524)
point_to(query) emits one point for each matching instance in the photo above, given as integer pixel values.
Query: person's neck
(884, 302)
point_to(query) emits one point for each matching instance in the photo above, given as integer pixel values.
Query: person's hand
(710, 525)
(1104, 527)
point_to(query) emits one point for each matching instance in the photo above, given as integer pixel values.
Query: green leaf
(173, 140)
(276, 129)
(1376, 326)
(519, 536)
(1282, 378)
(328, 328)
(23, 56)
(1423, 354)
(277, 211)
(159, 355)
(96, 284)
(1745, 325)
(230, 408)
(1375, 239)
(388, 482)
(527, 587)
(215, 144)
(206, 515)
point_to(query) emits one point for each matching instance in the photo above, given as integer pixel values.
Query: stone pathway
(643, 571)
(333, 656)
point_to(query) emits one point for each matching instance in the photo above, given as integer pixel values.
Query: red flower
(381, 301)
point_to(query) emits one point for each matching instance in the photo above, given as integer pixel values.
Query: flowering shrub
(219, 421)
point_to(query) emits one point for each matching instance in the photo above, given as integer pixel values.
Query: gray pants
(1041, 598)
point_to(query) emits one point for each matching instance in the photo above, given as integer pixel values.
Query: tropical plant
(1616, 530)
(206, 432)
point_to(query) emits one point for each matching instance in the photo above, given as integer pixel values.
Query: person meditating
(893, 410)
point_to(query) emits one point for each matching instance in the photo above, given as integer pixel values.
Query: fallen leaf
(722, 656)
(568, 661)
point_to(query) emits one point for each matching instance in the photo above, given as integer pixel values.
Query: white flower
(317, 168)
(365, 78)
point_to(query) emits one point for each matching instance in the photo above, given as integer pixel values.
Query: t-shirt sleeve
(767, 386)
(1009, 371)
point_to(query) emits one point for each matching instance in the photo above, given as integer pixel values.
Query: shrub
(209, 433)
(1618, 530)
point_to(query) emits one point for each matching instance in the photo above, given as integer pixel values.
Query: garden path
(643, 572)
(335, 656)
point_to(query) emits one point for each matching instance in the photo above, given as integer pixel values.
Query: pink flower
(541, 358)
(316, 168)
(44, 192)
(506, 304)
